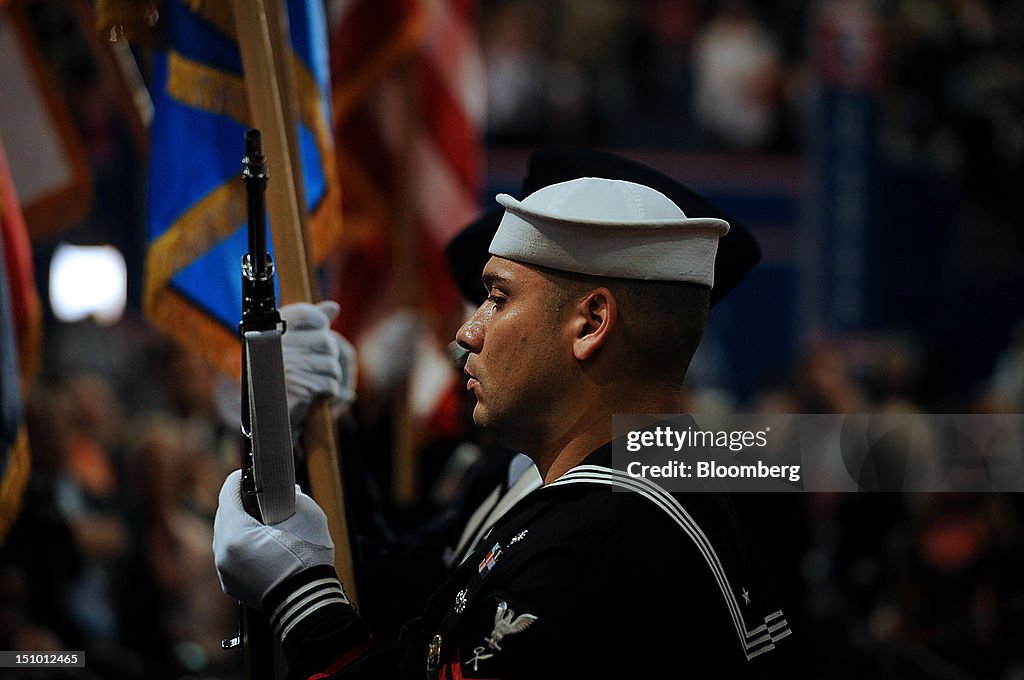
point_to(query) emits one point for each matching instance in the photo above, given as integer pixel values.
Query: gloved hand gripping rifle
(268, 468)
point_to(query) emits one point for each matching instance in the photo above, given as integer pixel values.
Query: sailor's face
(516, 361)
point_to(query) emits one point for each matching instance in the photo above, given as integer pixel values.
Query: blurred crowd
(737, 75)
(686, 74)
(111, 552)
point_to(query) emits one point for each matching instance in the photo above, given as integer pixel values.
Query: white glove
(317, 360)
(253, 558)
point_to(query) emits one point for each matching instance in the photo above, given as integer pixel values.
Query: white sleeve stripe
(657, 495)
(333, 600)
(773, 616)
(780, 624)
(761, 640)
(294, 611)
(319, 583)
(761, 651)
(291, 611)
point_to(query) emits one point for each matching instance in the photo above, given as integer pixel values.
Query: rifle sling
(273, 465)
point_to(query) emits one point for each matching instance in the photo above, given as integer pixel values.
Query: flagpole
(405, 461)
(271, 90)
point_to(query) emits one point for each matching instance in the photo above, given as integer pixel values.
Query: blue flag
(197, 218)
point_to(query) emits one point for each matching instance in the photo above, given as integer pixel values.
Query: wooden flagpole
(405, 449)
(272, 102)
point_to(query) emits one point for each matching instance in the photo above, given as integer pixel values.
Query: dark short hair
(662, 320)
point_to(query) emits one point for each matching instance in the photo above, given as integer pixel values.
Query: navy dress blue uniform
(594, 575)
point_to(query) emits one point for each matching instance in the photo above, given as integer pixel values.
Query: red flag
(408, 93)
(20, 326)
(25, 308)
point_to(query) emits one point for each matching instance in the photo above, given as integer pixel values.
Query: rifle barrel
(254, 170)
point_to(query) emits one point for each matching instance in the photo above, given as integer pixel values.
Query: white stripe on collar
(595, 474)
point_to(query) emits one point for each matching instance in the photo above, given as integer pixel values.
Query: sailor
(597, 296)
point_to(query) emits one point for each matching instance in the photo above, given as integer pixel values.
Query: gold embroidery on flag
(212, 219)
(196, 330)
(325, 219)
(12, 484)
(206, 88)
(219, 213)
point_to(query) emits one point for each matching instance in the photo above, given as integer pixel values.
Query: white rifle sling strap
(273, 465)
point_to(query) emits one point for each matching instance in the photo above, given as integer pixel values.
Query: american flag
(408, 100)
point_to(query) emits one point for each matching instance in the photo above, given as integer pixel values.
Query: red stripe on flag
(408, 144)
(466, 10)
(447, 161)
(371, 39)
(361, 33)
(450, 127)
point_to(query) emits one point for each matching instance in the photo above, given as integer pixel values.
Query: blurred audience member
(738, 81)
(173, 474)
(90, 497)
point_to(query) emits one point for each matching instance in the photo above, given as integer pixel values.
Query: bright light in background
(88, 281)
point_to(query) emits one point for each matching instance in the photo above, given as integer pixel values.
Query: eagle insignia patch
(507, 623)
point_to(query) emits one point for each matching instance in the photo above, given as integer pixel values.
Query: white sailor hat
(608, 227)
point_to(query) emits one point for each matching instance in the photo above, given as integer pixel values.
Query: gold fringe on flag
(206, 88)
(193, 329)
(15, 479)
(212, 219)
(325, 221)
(215, 216)
(215, 91)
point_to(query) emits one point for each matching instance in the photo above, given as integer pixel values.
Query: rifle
(261, 28)
(268, 468)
